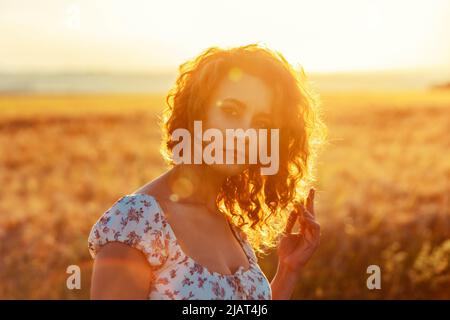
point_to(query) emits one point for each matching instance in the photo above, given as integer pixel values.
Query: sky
(157, 36)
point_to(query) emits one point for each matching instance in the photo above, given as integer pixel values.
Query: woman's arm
(283, 283)
(120, 272)
(295, 249)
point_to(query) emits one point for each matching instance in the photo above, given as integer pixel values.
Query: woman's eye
(262, 124)
(230, 111)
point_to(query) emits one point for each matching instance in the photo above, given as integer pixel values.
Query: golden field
(383, 190)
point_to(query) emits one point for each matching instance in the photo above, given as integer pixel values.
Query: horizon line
(166, 72)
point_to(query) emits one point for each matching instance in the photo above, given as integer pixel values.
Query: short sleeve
(134, 220)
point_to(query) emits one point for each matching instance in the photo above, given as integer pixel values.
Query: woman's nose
(246, 123)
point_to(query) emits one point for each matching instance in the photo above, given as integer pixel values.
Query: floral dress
(138, 221)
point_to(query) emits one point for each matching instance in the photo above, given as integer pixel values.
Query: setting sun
(324, 36)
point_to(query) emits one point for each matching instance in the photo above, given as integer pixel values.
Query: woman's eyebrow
(243, 105)
(236, 101)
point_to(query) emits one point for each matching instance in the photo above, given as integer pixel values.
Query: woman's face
(240, 101)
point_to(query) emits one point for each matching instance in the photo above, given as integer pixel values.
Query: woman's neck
(195, 184)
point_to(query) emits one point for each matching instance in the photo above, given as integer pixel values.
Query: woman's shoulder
(136, 220)
(132, 210)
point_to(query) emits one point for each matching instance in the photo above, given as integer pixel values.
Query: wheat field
(383, 190)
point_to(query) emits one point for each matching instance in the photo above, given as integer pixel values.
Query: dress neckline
(236, 233)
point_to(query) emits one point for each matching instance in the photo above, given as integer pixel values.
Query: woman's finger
(291, 221)
(309, 215)
(313, 233)
(310, 201)
(312, 226)
(309, 219)
(300, 208)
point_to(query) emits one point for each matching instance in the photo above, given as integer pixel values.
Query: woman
(193, 232)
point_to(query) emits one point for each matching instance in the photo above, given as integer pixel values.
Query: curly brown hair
(258, 204)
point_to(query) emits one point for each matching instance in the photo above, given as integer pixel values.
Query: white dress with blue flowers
(138, 221)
